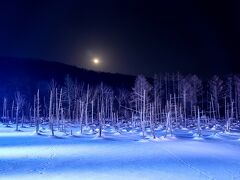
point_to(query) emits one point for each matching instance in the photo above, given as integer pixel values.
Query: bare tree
(196, 90)
(198, 123)
(237, 95)
(19, 104)
(51, 120)
(36, 111)
(216, 90)
(4, 110)
(141, 92)
(185, 88)
(68, 94)
(158, 96)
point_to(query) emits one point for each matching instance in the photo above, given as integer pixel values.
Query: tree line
(170, 100)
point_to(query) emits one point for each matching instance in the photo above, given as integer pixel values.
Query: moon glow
(96, 61)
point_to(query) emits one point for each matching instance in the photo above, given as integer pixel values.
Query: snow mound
(213, 128)
(215, 136)
(89, 131)
(132, 131)
(195, 135)
(198, 138)
(116, 134)
(160, 127)
(143, 140)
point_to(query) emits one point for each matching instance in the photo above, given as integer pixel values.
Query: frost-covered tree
(68, 93)
(141, 92)
(4, 110)
(196, 89)
(184, 94)
(158, 96)
(36, 111)
(216, 94)
(237, 95)
(19, 105)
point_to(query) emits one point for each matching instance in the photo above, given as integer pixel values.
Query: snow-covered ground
(118, 155)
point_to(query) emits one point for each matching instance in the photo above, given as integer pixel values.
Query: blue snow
(124, 155)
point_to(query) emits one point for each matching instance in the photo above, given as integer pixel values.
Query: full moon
(96, 61)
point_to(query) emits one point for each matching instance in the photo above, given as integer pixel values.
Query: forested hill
(27, 75)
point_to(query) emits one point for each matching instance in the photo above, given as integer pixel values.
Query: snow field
(118, 155)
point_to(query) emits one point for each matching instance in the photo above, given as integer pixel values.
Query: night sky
(130, 37)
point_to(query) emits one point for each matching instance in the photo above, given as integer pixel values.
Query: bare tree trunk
(175, 108)
(151, 113)
(92, 111)
(17, 109)
(59, 108)
(86, 108)
(225, 107)
(34, 112)
(100, 125)
(38, 113)
(213, 109)
(218, 111)
(63, 119)
(228, 125)
(81, 116)
(22, 120)
(4, 115)
(19, 104)
(198, 123)
(184, 109)
(12, 111)
(143, 114)
(168, 123)
(228, 122)
(50, 114)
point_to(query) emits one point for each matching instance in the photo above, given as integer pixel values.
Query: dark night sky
(129, 37)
